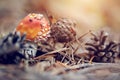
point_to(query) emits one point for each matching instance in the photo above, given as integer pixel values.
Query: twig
(99, 66)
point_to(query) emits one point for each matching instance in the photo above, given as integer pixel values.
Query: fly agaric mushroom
(35, 26)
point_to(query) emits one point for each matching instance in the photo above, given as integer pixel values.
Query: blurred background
(89, 14)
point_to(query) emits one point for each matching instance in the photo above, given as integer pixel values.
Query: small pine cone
(102, 49)
(9, 47)
(63, 30)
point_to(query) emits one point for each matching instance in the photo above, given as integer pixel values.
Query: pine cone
(102, 49)
(29, 50)
(63, 30)
(9, 47)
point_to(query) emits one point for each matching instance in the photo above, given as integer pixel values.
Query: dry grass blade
(51, 53)
(84, 35)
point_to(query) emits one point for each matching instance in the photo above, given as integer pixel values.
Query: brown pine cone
(63, 30)
(102, 49)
